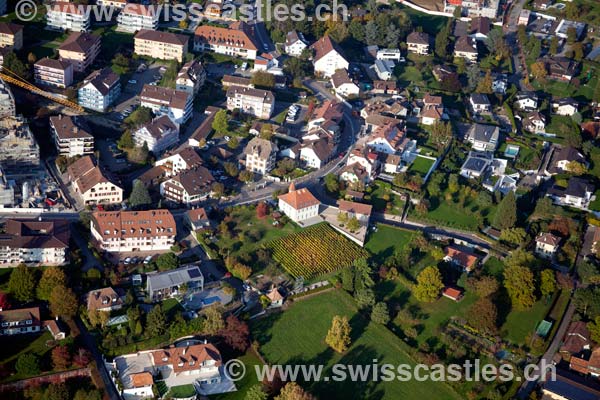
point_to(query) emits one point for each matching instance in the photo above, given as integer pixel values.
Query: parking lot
(111, 156)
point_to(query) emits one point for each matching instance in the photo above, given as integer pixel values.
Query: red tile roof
(187, 358)
(299, 199)
(464, 259)
(141, 379)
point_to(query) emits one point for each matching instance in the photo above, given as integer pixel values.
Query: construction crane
(11, 77)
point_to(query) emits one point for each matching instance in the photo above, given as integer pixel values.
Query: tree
(429, 284)
(506, 215)
(380, 313)
(140, 116)
(233, 143)
(348, 280)
(539, 72)
(553, 45)
(588, 273)
(371, 33)
(246, 176)
(519, 284)
(483, 315)
(221, 122)
(28, 364)
(441, 43)
(4, 301)
(342, 218)
(217, 189)
(256, 392)
(126, 141)
(63, 302)
(167, 261)
(156, 321)
(213, 322)
(484, 286)
(293, 391)
(82, 357)
(83, 394)
(51, 277)
(236, 333)
(577, 168)
(58, 391)
(514, 236)
(338, 336)
(22, 283)
(587, 301)
(331, 183)
(120, 64)
(12, 63)
(61, 357)
(263, 79)
(362, 274)
(547, 283)
(392, 36)
(594, 328)
(473, 77)
(353, 224)
(140, 197)
(441, 134)
(31, 58)
(485, 85)
(231, 169)
(262, 209)
(364, 297)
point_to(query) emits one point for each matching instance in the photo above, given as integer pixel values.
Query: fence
(58, 377)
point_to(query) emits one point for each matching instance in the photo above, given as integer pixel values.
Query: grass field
(305, 325)
(182, 391)
(519, 324)
(421, 165)
(250, 360)
(380, 189)
(386, 241)
(448, 214)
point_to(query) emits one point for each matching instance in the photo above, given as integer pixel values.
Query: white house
(159, 134)
(99, 90)
(68, 16)
(191, 77)
(384, 69)
(176, 104)
(328, 57)
(480, 103)
(483, 137)
(527, 101)
(546, 245)
(299, 205)
(535, 122)
(389, 55)
(566, 107)
(386, 138)
(295, 43)
(418, 42)
(343, 85)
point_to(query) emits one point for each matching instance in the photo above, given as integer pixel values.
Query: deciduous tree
(506, 214)
(547, 282)
(429, 284)
(51, 277)
(338, 336)
(63, 302)
(236, 333)
(483, 315)
(139, 195)
(519, 284)
(61, 357)
(156, 321)
(22, 283)
(213, 322)
(380, 313)
(293, 391)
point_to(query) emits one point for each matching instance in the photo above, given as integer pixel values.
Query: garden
(314, 251)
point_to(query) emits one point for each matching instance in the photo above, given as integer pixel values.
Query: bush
(28, 364)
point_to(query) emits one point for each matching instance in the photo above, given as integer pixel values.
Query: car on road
(132, 81)
(266, 47)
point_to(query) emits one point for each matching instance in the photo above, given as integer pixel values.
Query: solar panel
(194, 273)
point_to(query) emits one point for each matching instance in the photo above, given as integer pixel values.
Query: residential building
(55, 328)
(477, 164)
(526, 101)
(431, 109)
(72, 136)
(161, 45)
(68, 16)
(386, 138)
(205, 129)
(567, 107)
(189, 187)
(568, 387)
(576, 339)
(366, 158)
(213, 9)
(35, 242)
(234, 80)
(92, 184)
(191, 77)
(295, 43)
(197, 219)
(328, 111)
(578, 193)
(104, 299)
(461, 257)
(385, 87)
(99, 90)
(360, 211)
(466, 47)
(19, 321)
(162, 285)
(135, 17)
(7, 101)
(159, 134)
(561, 68)
(80, 49)
(48, 71)
(480, 103)
(524, 17)
(299, 204)
(120, 4)
(389, 55)
(343, 85)
(260, 155)
(483, 137)
(197, 364)
(328, 57)
(535, 122)
(355, 174)
(275, 296)
(546, 244)
(384, 69)
(562, 158)
(257, 102)
(317, 148)
(480, 28)
(174, 163)
(418, 42)
(129, 231)
(11, 35)
(176, 104)
(237, 40)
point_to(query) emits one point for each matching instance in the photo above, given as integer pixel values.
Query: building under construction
(7, 101)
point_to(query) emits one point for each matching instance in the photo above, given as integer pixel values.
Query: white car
(147, 260)
(244, 66)
(227, 138)
(132, 81)
(127, 261)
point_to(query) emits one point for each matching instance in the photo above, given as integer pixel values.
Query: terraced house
(128, 231)
(161, 45)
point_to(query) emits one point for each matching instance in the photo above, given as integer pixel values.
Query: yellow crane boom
(22, 83)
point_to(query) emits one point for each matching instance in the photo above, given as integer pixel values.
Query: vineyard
(314, 251)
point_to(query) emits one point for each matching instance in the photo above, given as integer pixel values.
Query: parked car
(127, 261)
(132, 81)
(147, 260)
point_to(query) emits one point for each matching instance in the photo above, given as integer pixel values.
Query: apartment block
(191, 77)
(237, 40)
(257, 102)
(68, 16)
(161, 45)
(158, 134)
(135, 17)
(80, 49)
(260, 155)
(99, 90)
(48, 71)
(176, 104)
(35, 242)
(72, 136)
(11, 35)
(129, 231)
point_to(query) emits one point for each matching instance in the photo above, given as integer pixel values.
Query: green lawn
(377, 198)
(113, 41)
(386, 241)
(519, 324)
(421, 165)
(171, 307)
(250, 360)
(451, 215)
(595, 205)
(14, 346)
(297, 337)
(251, 232)
(182, 391)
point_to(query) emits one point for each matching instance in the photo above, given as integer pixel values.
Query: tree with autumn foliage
(236, 333)
(4, 301)
(63, 302)
(293, 391)
(82, 357)
(262, 210)
(61, 357)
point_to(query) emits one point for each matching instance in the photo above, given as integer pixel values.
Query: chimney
(185, 351)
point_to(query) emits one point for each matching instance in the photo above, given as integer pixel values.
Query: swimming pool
(511, 151)
(210, 300)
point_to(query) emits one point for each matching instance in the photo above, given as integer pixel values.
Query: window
(29, 322)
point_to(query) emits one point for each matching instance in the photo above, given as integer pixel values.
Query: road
(510, 32)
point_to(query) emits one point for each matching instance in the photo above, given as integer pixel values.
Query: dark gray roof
(477, 161)
(479, 98)
(484, 133)
(578, 187)
(175, 277)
